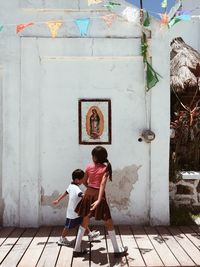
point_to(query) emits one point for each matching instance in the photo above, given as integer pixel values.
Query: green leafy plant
(185, 144)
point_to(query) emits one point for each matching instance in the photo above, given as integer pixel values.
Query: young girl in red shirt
(94, 202)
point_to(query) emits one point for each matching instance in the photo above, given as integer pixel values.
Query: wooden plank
(186, 244)
(179, 243)
(99, 255)
(19, 248)
(134, 256)
(147, 250)
(174, 246)
(51, 250)
(66, 253)
(9, 243)
(35, 249)
(161, 248)
(191, 235)
(4, 233)
(113, 260)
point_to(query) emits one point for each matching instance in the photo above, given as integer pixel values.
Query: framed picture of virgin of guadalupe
(94, 121)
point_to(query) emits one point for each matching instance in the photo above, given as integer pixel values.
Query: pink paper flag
(164, 19)
(109, 19)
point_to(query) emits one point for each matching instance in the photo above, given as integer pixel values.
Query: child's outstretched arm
(101, 191)
(55, 202)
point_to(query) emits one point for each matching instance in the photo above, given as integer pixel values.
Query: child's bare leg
(109, 225)
(63, 241)
(85, 222)
(65, 232)
(87, 231)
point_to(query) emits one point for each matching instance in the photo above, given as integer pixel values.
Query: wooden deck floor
(148, 246)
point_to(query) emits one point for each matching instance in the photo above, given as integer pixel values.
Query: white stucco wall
(42, 80)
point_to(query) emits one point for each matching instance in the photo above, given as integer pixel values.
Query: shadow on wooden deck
(148, 246)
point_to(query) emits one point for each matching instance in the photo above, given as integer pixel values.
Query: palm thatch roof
(184, 59)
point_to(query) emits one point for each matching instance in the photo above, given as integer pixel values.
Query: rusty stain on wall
(46, 200)
(119, 190)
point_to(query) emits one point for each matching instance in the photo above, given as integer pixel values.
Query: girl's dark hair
(77, 174)
(101, 154)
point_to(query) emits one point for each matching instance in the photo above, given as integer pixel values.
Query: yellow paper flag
(54, 27)
(92, 2)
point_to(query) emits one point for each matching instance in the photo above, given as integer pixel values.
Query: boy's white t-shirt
(73, 190)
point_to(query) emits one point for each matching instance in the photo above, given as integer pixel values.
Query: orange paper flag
(54, 27)
(20, 27)
(164, 19)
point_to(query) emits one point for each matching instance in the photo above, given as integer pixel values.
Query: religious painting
(94, 121)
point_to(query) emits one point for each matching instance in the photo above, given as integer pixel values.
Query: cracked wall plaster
(119, 190)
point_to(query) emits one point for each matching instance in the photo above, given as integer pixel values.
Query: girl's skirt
(102, 212)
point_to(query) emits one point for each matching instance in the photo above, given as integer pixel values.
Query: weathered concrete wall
(42, 81)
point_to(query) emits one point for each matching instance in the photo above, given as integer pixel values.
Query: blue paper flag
(184, 17)
(83, 25)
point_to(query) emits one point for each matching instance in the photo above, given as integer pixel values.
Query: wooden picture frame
(94, 121)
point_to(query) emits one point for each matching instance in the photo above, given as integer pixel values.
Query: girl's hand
(94, 205)
(55, 202)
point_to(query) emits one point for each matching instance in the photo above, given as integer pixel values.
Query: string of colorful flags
(130, 14)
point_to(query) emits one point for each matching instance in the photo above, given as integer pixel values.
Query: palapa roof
(184, 60)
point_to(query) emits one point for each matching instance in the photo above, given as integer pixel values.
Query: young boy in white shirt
(72, 218)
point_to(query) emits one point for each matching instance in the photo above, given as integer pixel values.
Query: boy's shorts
(71, 223)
